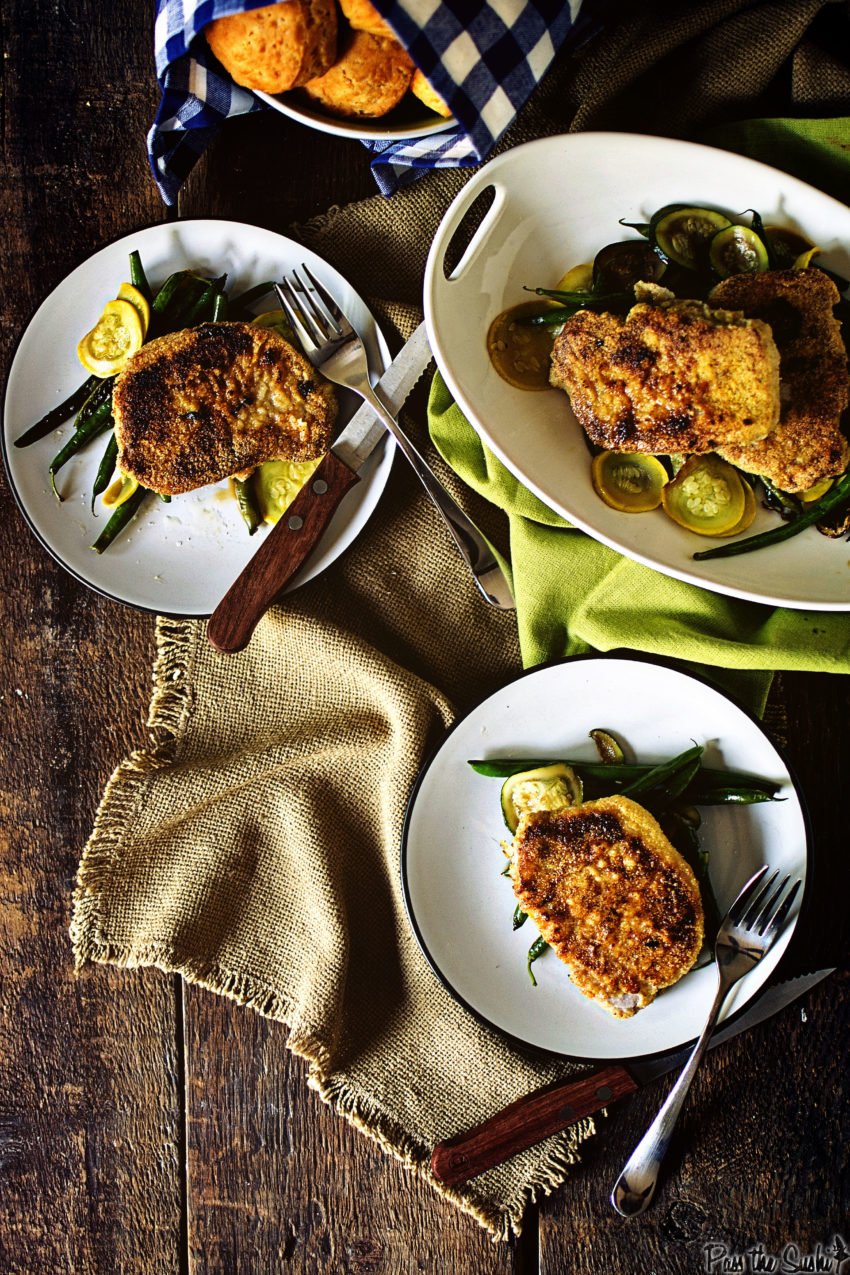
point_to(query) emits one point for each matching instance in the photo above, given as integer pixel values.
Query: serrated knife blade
(529, 1120)
(364, 431)
(282, 553)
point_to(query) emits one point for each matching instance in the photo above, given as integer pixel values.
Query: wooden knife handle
(527, 1121)
(283, 551)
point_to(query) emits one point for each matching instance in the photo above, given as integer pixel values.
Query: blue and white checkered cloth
(484, 60)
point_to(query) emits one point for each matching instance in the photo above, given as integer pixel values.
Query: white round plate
(405, 123)
(178, 558)
(557, 202)
(460, 906)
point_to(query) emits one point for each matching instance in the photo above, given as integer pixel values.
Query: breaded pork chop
(616, 901)
(808, 444)
(207, 402)
(674, 376)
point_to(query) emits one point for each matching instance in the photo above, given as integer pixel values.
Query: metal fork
(331, 344)
(746, 934)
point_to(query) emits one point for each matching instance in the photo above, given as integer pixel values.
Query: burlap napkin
(254, 846)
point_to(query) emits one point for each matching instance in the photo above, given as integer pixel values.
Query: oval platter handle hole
(465, 232)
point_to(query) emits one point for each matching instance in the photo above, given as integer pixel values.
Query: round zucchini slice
(519, 351)
(737, 250)
(786, 245)
(747, 517)
(628, 481)
(707, 496)
(805, 259)
(577, 279)
(683, 236)
(820, 488)
(609, 748)
(547, 788)
(619, 266)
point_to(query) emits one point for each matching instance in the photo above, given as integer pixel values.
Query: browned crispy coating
(674, 376)
(616, 901)
(808, 443)
(202, 404)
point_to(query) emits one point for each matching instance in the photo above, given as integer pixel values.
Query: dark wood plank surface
(91, 1101)
(151, 1127)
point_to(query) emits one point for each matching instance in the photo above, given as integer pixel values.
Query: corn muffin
(371, 77)
(363, 16)
(277, 47)
(421, 88)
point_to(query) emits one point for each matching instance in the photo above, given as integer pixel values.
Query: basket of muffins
(334, 66)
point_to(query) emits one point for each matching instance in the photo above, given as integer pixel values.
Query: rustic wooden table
(147, 1126)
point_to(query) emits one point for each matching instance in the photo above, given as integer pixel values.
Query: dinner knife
(538, 1115)
(294, 537)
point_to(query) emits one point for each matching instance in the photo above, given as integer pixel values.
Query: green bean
(662, 773)
(732, 797)
(662, 795)
(244, 299)
(175, 288)
(96, 424)
(247, 502)
(102, 393)
(709, 780)
(59, 414)
(202, 310)
(686, 841)
(536, 950)
(138, 278)
(174, 301)
(503, 767)
(709, 787)
(579, 299)
(520, 917)
(219, 313)
(105, 469)
(835, 498)
(550, 318)
(120, 519)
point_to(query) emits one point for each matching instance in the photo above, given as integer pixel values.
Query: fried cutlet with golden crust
(202, 404)
(808, 444)
(674, 376)
(612, 896)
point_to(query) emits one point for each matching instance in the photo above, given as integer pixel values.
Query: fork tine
(737, 909)
(757, 903)
(328, 301)
(292, 308)
(311, 313)
(774, 923)
(768, 906)
(324, 302)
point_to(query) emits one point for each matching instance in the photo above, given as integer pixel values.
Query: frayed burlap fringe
(365, 1114)
(168, 719)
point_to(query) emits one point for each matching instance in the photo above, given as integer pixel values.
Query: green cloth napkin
(574, 594)
(816, 151)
